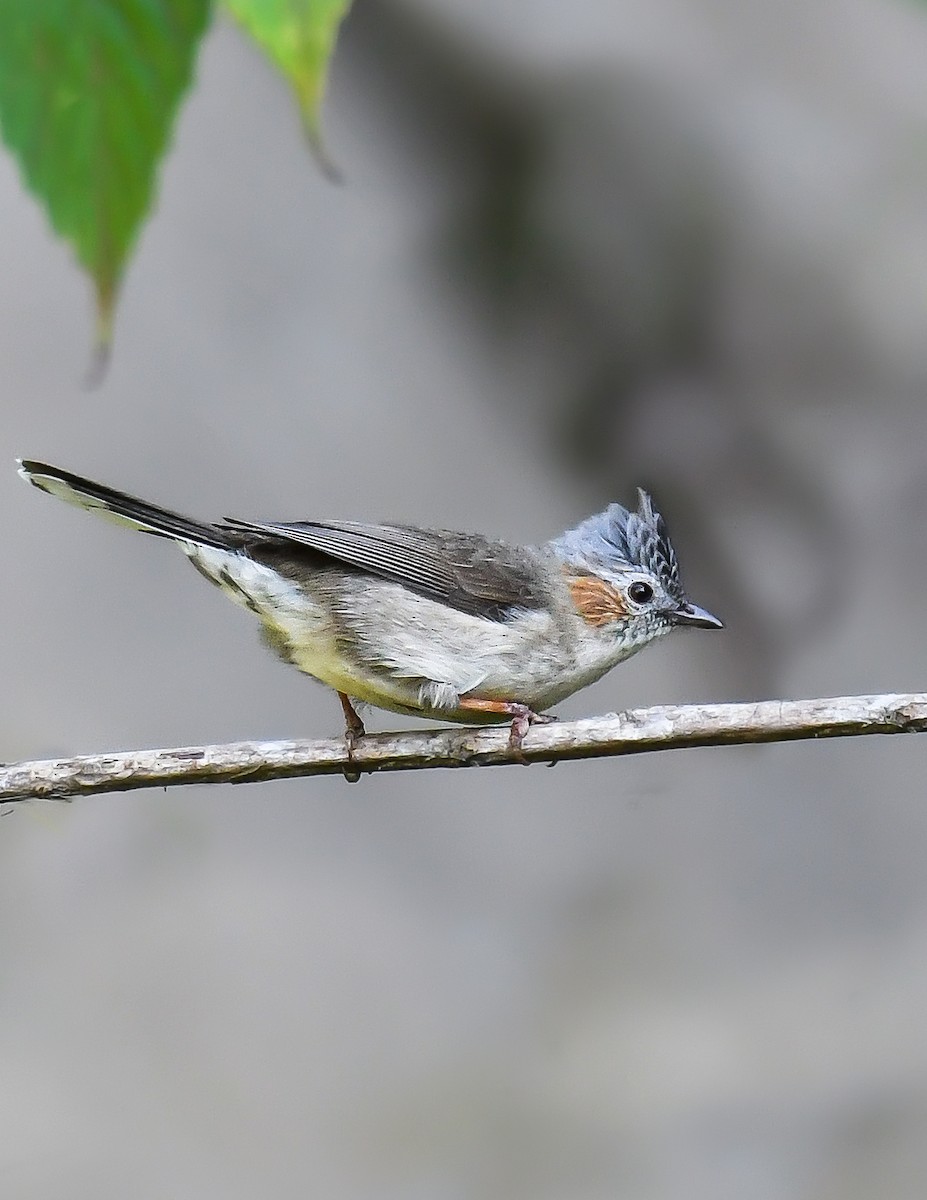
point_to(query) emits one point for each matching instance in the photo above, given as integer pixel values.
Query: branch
(664, 728)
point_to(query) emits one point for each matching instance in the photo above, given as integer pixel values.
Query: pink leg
(522, 716)
(353, 732)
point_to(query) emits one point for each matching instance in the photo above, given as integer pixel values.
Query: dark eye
(640, 593)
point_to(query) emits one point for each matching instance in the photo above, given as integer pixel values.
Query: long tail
(117, 506)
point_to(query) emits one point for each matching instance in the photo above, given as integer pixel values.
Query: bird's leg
(353, 732)
(522, 716)
(354, 727)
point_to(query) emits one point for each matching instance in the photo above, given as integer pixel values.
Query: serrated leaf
(299, 37)
(88, 94)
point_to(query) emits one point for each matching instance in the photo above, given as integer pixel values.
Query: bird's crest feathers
(621, 537)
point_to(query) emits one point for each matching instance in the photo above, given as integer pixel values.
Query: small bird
(429, 622)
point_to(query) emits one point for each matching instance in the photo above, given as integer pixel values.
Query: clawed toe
(353, 738)
(522, 719)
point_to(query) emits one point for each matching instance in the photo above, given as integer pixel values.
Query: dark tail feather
(125, 510)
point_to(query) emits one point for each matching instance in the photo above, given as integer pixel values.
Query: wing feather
(471, 573)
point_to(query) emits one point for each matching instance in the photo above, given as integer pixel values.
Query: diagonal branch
(666, 727)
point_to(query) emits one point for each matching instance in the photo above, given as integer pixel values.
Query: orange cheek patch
(597, 602)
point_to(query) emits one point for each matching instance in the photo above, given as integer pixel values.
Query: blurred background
(677, 243)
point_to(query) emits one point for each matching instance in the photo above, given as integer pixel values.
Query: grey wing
(467, 571)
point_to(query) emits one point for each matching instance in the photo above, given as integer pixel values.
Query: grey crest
(621, 537)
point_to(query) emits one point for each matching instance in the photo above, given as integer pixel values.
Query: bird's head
(622, 572)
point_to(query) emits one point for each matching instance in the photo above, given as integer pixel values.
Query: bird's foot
(522, 716)
(353, 732)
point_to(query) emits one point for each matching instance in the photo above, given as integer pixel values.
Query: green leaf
(88, 94)
(298, 36)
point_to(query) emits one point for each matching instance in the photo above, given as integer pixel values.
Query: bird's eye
(640, 593)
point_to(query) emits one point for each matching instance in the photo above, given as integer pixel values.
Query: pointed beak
(691, 614)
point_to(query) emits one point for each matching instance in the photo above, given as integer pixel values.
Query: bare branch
(634, 732)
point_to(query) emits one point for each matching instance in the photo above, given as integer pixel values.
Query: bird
(431, 622)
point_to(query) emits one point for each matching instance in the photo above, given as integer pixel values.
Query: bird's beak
(691, 614)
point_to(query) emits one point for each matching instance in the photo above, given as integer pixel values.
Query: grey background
(579, 247)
